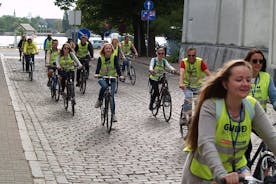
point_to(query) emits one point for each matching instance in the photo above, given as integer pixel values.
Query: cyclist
(84, 52)
(29, 50)
(117, 48)
(192, 73)
(127, 48)
(221, 128)
(71, 43)
(65, 62)
(262, 85)
(21, 46)
(107, 66)
(47, 44)
(51, 56)
(157, 68)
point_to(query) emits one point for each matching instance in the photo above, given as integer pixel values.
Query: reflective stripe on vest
(158, 69)
(83, 50)
(53, 57)
(193, 75)
(66, 64)
(126, 48)
(260, 89)
(224, 140)
(108, 67)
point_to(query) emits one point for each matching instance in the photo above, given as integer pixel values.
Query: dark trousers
(85, 63)
(28, 58)
(155, 88)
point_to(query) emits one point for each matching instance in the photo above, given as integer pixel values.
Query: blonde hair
(102, 52)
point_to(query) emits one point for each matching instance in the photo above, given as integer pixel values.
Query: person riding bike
(84, 52)
(262, 85)
(47, 44)
(157, 68)
(127, 48)
(221, 128)
(51, 56)
(29, 50)
(20, 46)
(107, 66)
(192, 73)
(65, 62)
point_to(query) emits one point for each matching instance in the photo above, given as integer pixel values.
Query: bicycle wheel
(58, 91)
(53, 89)
(73, 106)
(23, 63)
(103, 109)
(73, 103)
(31, 72)
(167, 105)
(66, 98)
(82, 82)
(156, 106)
(132, 75)
(108, 113)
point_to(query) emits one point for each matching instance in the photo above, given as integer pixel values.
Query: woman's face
(66, 49)
(160, 53)
(239, 82)
(256, 61)
(107, 49)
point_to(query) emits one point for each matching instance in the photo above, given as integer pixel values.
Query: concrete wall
(227, 29)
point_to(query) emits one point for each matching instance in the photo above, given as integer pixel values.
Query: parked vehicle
(98, 44)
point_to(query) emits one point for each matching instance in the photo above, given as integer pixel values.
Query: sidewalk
(14, 167)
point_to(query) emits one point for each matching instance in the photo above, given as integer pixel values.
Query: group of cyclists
(231, 101)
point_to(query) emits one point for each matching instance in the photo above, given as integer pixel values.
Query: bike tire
(132, 75)
(53, 90)
(82, 83)
(110, 114)
(103, 113)
(73, 107)
(66, 98)
(167, 105)
(31, 72)
(23, 63)
(156, 107)
(58, 91)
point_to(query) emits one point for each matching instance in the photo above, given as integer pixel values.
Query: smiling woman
(34, 8)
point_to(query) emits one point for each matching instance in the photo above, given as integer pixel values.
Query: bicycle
(107, 105)
(164, 99)
(23, 62)
(83, 78)
(70, 91)
(253, 180)
(55, 87)
(186, 116)
(266, 164)
(28, 58)
(130, 71)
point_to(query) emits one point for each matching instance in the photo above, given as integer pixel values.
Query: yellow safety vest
(53, 57)
(48, 44)
(226, 130)
(108, 67)
(126, 47)
(259, 88)
(66, 64)
(158, 69)
(30, 48)
(83, 50)
(193, 75)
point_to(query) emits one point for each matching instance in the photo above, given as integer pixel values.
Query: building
(227, 29)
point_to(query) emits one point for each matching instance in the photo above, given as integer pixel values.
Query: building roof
(26, 27)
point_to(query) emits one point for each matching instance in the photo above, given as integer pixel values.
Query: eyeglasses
(66, 48)
(191, 55)
(161, 53)
(255, 61)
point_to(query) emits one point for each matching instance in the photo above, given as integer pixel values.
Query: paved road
(141, 148)
(65, 149)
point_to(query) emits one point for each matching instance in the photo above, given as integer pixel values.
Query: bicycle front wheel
(31, 72)
(66, 98)
(156, 106)
(132, 75)
(83, 83)
(108, 113)
(167, 105)
(58, 91)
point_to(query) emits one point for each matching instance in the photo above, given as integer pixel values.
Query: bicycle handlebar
(104, 76)
(243, 179)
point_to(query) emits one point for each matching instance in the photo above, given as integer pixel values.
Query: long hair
(213, 88)
(251, 53)
(102, 52)
(62, 52)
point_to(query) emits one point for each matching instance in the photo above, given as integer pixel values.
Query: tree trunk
(139, 35)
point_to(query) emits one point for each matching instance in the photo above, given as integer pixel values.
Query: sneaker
(98, 104)
(114, 118)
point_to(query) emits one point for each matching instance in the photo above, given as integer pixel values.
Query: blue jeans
(189, 93)
(103, 83)
(125, 64)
